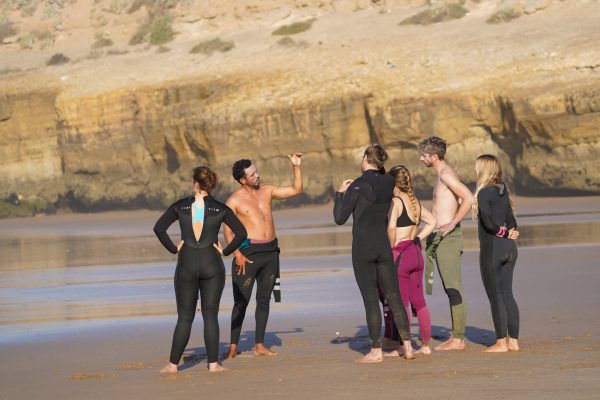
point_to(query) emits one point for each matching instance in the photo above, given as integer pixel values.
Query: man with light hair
(452, 200)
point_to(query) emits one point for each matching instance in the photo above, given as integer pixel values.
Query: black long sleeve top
(215, 213)
(495, 211)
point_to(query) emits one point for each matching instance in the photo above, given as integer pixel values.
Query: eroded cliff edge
(85, 137)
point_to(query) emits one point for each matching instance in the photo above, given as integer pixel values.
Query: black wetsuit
(265, 271)
(199, 267)
(369, 199)
(497, 258)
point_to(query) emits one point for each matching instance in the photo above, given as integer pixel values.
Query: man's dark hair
(238, 169)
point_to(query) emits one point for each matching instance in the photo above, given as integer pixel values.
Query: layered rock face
(115, 145)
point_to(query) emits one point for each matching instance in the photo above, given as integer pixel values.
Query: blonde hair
(489, 173)
(403, 182)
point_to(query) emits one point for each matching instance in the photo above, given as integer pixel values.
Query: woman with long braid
(498, 250)
(403, 223)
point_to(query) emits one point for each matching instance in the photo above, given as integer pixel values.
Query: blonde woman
(498, 251)
(405, 238)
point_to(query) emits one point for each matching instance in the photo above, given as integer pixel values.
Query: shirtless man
(452, 200)
(258, 257)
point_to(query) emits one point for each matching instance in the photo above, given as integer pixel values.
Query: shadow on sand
(196, 355)
(361, 342)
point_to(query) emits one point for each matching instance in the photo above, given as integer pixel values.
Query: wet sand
(103, 331)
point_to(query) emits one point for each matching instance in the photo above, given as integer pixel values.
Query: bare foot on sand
(215, 367)
(374, 356)
(261, 350)
(408, 350)
(513, 344)
(425, 349)
(451, 344)
(232, 351)
(499, 347)
(169, 369)
(393, 353)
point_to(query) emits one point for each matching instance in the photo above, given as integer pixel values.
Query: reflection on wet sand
(57, 279)
(59, 251)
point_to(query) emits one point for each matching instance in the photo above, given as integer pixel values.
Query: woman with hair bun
(368, 199)
(199, 264)
(403, 225)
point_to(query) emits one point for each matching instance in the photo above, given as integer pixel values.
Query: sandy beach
(75, 324)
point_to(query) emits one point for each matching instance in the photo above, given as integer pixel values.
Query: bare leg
(261, 350)
(500, 347)
(374, 356)
(232, 351)
(513, 344)
(170, 368)
(408, 350)
(215, 367)
(451, 344)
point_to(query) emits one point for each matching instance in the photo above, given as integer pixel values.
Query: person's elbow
(468, 199)
(157, 230)
(243, 233)
(339, 219)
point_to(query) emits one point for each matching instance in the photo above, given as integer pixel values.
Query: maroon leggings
(409, 263)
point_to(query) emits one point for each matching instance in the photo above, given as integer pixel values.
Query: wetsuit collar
(371, 171)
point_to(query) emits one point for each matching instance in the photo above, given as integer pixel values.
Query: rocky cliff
(124, 131)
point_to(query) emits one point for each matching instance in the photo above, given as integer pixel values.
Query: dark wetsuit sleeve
(346, 203)
(485, 214)
(511, 222)
(161, 226)
(238, 230)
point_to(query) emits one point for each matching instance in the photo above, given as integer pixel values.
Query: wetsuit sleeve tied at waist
(433, 240)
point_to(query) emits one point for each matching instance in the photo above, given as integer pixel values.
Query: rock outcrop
(89, 145)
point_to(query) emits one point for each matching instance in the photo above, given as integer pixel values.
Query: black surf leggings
(198, 270)
(497, 264)
(263, 270)
(368, 270)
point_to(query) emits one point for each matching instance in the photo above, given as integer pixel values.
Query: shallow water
(66, 280)
(33, 251)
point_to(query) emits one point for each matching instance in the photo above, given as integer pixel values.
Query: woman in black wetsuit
(498, 251)
(369, 198)
(199, 263)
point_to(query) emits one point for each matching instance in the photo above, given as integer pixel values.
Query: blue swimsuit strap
(199, 214)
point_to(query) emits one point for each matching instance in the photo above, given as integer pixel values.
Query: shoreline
(140, 222)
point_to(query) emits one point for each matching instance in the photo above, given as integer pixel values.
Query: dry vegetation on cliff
(123, 131)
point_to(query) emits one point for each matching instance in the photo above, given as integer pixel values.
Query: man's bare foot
(169, 369)
(425, 349)
(499, 347)
(232, 351)
(408, 350)
(374, 356)
(261, 350)
(513, 344)
(216, 367)
(388, 344)
(451, 344)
